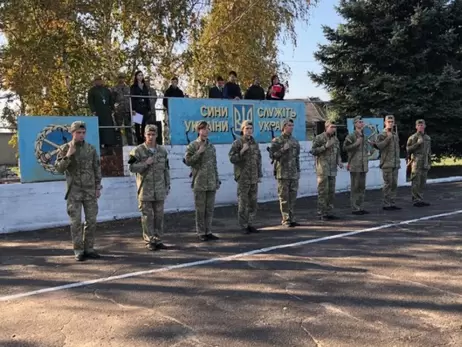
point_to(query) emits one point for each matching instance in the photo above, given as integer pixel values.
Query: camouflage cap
(121, 75)
(329, 123)
(77, 125)
(287, 121)
(150, 127)
(419, 121)
(246, 123)
(201, 125)
(98, 78)
(357, 119)
(389, 117)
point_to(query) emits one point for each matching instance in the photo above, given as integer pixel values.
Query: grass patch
(448, 161)
(15, 169)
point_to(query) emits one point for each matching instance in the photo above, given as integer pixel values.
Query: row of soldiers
(149, 162)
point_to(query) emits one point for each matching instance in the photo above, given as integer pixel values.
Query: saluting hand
(420, 141)
(330, 142)
(201, 148)
(71, 149)
(244, 148)
(150, 160)
(286, 146)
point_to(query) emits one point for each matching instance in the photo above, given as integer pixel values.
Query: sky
(301, 59)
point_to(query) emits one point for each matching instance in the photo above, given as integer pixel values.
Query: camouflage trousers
(83, 237)
(247, 197)
(205, 204)
(390, 184)
(287, 191)
(419, 180)
(152, 220)
(124, 118)
(326, 194)
(357, 190)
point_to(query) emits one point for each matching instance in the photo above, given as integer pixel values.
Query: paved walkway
(385, 279)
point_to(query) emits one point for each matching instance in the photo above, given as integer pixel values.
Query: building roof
(314, 110)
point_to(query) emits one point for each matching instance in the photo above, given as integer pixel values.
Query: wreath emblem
(370, 134)
(48, 143)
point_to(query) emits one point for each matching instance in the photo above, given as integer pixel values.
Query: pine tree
(401, 57)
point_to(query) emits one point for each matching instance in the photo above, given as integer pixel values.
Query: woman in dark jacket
(140, 105)
(276, 90)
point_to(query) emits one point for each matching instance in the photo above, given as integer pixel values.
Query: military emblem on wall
(40, 138)
(241, 113)
(48, 143)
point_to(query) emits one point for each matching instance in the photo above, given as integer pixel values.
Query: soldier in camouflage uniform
(419, 147)
(201, 157)
(149, 161)
(122, 107)
(326, 149)
(79, 161)
(358, 165)
(285, 150)
(388, 144)
(245, 154)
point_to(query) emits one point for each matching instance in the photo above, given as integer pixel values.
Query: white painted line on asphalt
(221, 259)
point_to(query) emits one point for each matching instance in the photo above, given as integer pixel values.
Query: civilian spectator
(140, 104)
(172, 92)
(216, 92)
(255, 91)
(101, 104)
(276, 91)
(232, 90)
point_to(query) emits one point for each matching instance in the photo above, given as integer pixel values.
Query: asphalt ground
(390, 278)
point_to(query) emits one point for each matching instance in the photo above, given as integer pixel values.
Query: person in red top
(276, 91)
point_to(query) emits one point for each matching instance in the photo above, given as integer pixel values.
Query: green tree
(54, 49)
(242, 35)
(402, 57)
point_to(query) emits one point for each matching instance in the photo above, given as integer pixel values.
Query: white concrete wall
(34, 206)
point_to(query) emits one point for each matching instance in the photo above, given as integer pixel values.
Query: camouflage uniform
(247, 172)
(152, 102)
(358, 165)
(390, 165)
(83, 178)
(287, 172)
(153, 184)
(122, 109)
(327, 160)
(205, 182)
(420, 161)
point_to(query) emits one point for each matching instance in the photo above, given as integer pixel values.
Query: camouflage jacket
(327, 159)
(82, 170)
(121, 103)
(203, 165)
(247, 167)
(420, 152)
(287, 162)
(152, 181)
(357, 154)
(389, 150)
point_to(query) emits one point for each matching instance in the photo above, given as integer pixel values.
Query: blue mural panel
(225, 118)
(39, 138)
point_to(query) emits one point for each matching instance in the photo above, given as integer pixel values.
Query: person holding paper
(140, 104)
(276, 91)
